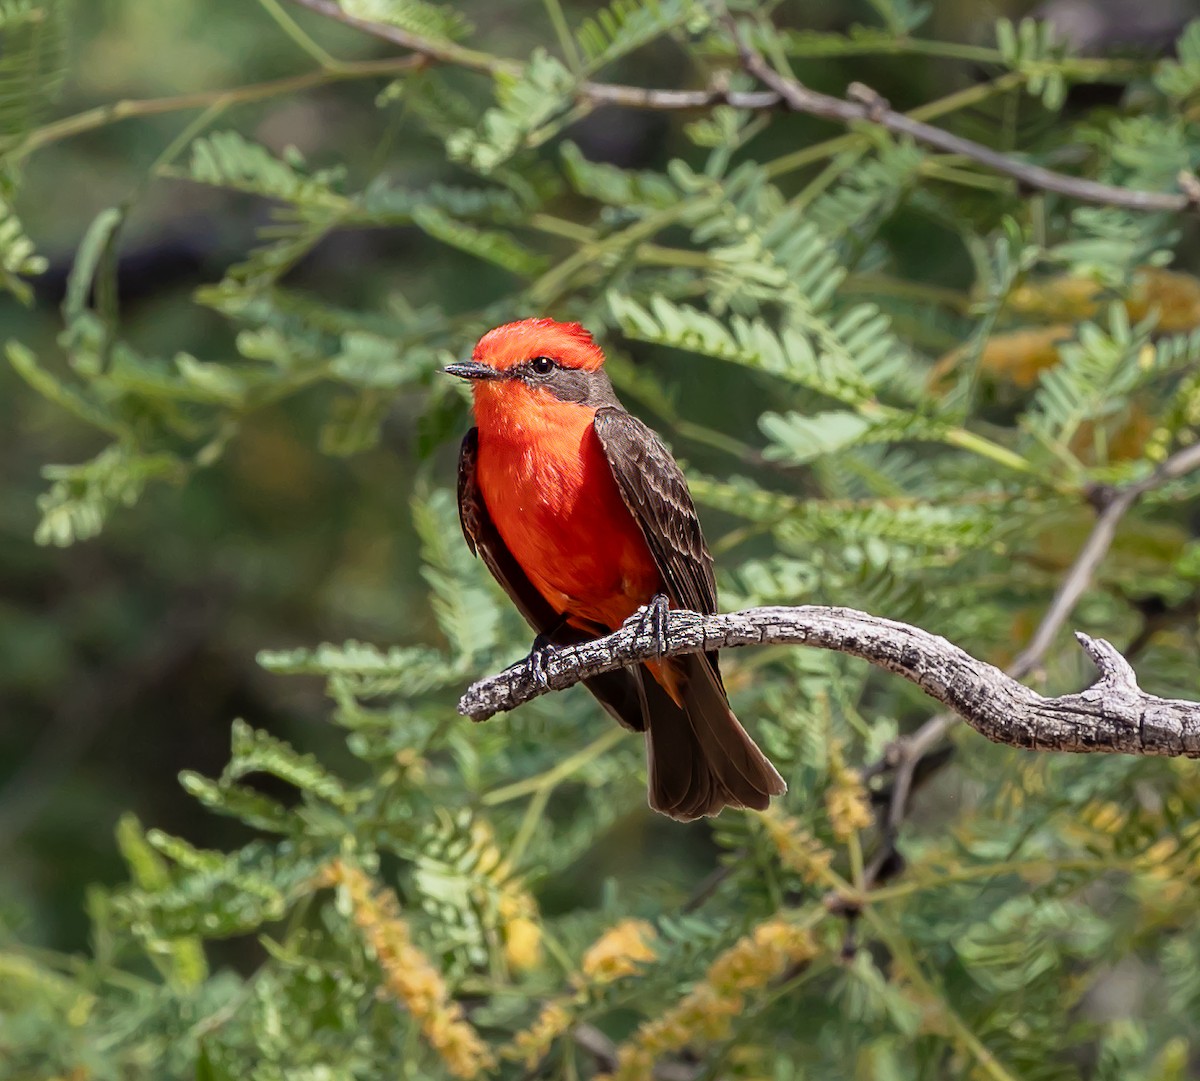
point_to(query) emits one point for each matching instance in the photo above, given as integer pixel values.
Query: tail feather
(681, 783)
(699, 757)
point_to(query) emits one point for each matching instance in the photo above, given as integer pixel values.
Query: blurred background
(123, 659)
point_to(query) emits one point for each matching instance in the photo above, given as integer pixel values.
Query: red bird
(583, 516)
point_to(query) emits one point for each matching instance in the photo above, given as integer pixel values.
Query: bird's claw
(535, 664)
(652, 619)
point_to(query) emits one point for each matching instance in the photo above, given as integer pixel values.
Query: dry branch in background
(866, 104)
(1112, 504)
(1113, 716)
(861, 104)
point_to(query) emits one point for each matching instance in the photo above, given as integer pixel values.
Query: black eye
(542, 365)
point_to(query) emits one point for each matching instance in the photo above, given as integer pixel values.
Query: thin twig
(133, 108)
(1113, 716)
(861, 104)
(1115, 505)
(1157, 617)
(906, 754)
(444, 52)
(865, 104)
(590, 1039)
(630, 97)
(603, 1052)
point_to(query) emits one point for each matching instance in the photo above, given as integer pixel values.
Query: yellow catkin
(1155, 861)
(1061, 297)
(798, 849)
(619, 952)
(409, 976)
(1173, 295)
(846, 799)
(531, 1045)
(1016, 357)
(706, 1013)
(411, 765)
(522, 943)
(518, 923)
(1105, 816)
(516, 909)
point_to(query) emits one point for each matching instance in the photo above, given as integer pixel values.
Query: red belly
(557, 507)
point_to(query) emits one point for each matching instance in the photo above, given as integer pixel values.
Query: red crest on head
(514, 343)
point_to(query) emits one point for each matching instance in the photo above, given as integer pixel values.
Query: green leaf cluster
(916, 429)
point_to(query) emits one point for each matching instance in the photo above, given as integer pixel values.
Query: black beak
(472, 369)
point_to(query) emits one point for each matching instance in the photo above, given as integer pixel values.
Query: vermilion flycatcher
(583, 516)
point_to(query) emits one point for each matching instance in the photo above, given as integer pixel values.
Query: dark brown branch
(861, 104)
(1158, 616)
(1113, 716)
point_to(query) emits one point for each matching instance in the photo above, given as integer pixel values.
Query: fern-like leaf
(624, 26)
(1095, 374)
(33, 61)
(849, 360)
(492, 245)
(81, 497)
(229, 160)
(524, 104)
(438, 22)
(465, 607)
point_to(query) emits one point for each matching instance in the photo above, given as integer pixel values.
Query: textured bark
(1113, 716)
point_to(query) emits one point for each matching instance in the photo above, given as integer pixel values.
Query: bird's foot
(652, 619)
(539, 654)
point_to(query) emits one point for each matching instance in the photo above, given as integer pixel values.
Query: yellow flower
(633, 1064)
(409, 975)
(531, 1045)
(522, 944)
(619, 952)
(1155, 860)
(522, 933)
(411, 765)
(798, 849)
(846, 799)
(1105, 816)
(708, 1010)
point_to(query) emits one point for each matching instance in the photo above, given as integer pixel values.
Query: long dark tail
(700, 758)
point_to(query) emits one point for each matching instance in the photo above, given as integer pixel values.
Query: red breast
(549, 489)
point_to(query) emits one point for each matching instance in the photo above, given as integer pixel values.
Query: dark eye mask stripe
(577, 385)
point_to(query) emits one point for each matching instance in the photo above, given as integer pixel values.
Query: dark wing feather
(654, 490)
(701, 758)
(618, 692)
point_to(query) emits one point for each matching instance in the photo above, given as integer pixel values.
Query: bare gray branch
(1113, 716)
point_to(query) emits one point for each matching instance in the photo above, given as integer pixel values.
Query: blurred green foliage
(896, 382)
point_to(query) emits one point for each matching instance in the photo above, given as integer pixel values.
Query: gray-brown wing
(654, 490)
(618, 692)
